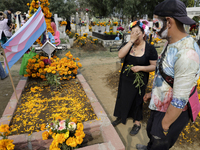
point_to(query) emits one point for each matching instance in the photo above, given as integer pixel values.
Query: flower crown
(140, 24)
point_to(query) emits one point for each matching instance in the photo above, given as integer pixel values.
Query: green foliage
(63, 9)
(53, 79)
(190, 3)
(16, 5)
(196, 19)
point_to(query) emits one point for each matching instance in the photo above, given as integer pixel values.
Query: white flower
(71, 126)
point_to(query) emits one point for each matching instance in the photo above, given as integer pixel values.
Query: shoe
(117, 121)
(135, 130)
(4, 77)
(141, 147)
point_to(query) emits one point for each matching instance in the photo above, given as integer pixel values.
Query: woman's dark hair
(139, 25)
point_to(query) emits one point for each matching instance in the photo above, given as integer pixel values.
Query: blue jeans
(2, 72)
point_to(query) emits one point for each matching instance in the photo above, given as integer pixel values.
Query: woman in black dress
(143, 57)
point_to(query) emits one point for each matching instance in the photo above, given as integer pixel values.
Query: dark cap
(175, 9)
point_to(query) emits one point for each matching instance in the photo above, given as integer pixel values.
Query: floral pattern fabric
(182, 63)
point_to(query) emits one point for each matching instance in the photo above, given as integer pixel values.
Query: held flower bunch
(138, 77)
(67, 133)
(5, 143)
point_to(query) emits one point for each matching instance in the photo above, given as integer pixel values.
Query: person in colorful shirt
(169, 113)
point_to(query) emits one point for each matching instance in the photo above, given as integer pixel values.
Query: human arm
(148, 68)
(124, 50)
(185, 77)
(147, 97)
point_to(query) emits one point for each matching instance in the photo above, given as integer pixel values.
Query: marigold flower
(71, 141)
(43, 127)
(79, 133)
(4, 128)
(79, 140)
(79, 64)
(80, 126)
(34, 75)
(45, 135)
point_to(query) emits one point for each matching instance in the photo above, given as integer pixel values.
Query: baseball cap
(175, 9)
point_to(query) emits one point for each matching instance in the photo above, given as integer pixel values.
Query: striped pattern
(22, 40)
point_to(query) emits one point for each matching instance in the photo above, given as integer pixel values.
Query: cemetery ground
(101, 71)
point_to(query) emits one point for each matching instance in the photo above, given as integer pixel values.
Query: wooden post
(10, 75)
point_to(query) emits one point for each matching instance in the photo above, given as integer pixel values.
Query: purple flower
(120, 28)
(47, 61)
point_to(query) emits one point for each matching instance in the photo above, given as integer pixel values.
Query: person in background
(143, 57)
(176, 74)
(68, 26)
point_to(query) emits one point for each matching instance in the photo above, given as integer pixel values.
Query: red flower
(120, 28)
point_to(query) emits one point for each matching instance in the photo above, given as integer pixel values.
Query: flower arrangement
(76, 35)
(70, 34)
(84, 23)
(90, 28)
(53, 69)
(115, 23)
(63, 23)
(5, 143)
(67, 133)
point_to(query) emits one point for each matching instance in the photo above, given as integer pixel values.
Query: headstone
(57, 20)
(87, 21)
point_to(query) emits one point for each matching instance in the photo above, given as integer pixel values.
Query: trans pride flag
(22, 40)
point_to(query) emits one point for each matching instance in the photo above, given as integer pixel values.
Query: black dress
(129, 102)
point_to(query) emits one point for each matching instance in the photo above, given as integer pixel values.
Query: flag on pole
(22, 40)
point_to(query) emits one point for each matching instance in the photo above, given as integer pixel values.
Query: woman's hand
(136, 68)
(147, 97)
(134, 36)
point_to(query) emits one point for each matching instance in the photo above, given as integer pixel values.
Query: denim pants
(2, 72)
(158, 141)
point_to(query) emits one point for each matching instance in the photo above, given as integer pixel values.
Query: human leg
(158, 140)
(2, 73)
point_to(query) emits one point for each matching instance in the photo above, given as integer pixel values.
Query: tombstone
(82, 16)
(57, 20)
(87, 25)
(77, 21)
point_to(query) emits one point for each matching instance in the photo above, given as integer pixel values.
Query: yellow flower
(66, 135)
(79, 64)
(53, 72)
(43, 127)
(10, 146)
(4, 128)
(79, 133)
(60, 138)
(45, 135)
(80, 126)
(34, 75)
(71, 141)
(79, 140)
(73, 120)
(152, 43)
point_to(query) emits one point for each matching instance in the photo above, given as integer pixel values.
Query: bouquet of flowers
(5, 143)
(67, 134)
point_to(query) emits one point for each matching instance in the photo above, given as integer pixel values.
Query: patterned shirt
(182, 63)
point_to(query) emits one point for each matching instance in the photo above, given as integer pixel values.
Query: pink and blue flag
(22, 40)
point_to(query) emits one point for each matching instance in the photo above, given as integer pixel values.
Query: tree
(16, 5)
(63, 8)
(190, 3)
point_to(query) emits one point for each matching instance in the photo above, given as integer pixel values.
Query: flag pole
(10, 74)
